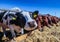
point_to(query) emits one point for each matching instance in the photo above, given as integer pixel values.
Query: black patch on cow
(10, 15)
(20, 20)
(1, 35)
(8, 34)
(1, 15)
(35, 13)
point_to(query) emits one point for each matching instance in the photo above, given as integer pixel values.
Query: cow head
(30, 22)
(25, 15)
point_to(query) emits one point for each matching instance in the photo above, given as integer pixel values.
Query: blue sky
(44, 6)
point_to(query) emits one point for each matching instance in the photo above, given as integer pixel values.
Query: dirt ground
(48, 35)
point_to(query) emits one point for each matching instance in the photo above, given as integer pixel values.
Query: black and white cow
(21, 19)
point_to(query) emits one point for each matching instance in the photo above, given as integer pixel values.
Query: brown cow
(49, 19)
(59, 19)
(54, 19)
(39, 22)
(45, 21)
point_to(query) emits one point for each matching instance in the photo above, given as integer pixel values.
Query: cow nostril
(31, 24)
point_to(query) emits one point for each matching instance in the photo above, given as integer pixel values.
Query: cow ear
(13, 18)
(35, 14)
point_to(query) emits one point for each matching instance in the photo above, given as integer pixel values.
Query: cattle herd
(45, 20)
(17, 21)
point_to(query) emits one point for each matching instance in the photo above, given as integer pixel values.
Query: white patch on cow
(12, 12)
(12, 30)
(27, 16)
(22, 31)
(35, 24)
(5, 14)
(4, 21)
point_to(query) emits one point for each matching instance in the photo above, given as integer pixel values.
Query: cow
(19, 19)
(59, 19)
(55, 20)
(49, 19)
(45, 21)
(52, 19)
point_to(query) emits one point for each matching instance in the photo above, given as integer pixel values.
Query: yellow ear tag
(14, 18)
(35, 15)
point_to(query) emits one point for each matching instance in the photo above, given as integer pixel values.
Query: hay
(48, 35)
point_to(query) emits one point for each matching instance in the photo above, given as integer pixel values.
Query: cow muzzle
(31, 24)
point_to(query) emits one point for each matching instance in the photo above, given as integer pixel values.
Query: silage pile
(48, 35)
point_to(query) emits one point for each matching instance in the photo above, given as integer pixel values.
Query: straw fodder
(48, 35)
